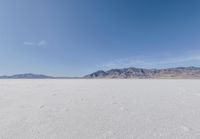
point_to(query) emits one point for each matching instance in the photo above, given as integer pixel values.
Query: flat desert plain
(99, 109)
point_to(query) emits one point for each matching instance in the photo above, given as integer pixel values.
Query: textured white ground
(99, 109)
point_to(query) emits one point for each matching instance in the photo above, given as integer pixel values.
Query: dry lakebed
(99, 109)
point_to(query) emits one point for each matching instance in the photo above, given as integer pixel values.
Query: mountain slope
(132, 72)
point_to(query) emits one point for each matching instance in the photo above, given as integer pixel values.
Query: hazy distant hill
(179, 72)
(35, 76)
(26, 76)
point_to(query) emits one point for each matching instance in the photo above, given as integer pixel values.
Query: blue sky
(76, 37)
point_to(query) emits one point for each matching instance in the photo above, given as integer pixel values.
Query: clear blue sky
(76, 37)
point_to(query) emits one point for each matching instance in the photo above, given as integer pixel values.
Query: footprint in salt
(183, 90)
(54, 94)
(108, 134)
(184, 128)
(122, 108)
(42, 106)
(114, 103)
(66, 110)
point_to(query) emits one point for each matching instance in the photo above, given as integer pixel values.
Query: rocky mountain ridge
(141, 73)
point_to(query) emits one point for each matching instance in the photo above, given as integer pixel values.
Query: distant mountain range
(125, 73)
(140, 73)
